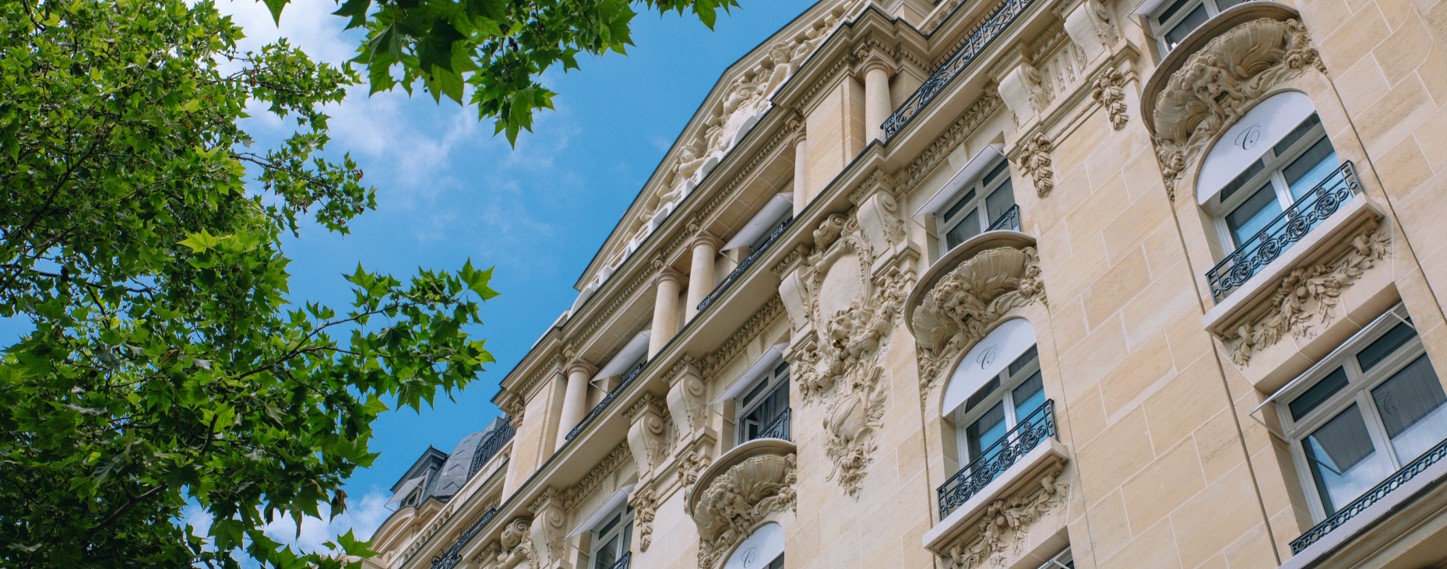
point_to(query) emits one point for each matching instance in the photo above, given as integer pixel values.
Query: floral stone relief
(1000, 534)
(731, 504)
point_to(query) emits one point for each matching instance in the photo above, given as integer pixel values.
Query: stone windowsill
(1393, 504)
(1333, 231)
(1049, 453)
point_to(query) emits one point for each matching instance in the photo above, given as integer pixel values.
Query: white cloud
(308, 25)
(362, 517)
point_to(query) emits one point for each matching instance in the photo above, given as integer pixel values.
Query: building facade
(1001, 283)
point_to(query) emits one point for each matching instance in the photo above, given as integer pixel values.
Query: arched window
(1270, 167)
(996, 387)
(764, 549)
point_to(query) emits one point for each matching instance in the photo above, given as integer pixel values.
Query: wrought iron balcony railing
(994, 25)
(622, 562)
(607, 400)
(744, 265)
(996, 459)
(1285, 230)
(450, 557)
(490, 447)
(1376, 494)
(777, 429)
(1010, 220)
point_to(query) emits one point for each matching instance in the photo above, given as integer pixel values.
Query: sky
(449, 191)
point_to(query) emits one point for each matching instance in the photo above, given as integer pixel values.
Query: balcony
(491, 447)
(1390, 498)
(777, 429)
(607, 400)
(1286, 230)
(744, 265)
(994, 25)
(622, 562)
(451, 556)
(997, 459)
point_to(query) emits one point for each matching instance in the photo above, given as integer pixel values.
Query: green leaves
(495, 49)
(168, 365)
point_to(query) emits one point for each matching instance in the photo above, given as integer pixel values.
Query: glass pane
(1025, 359)
(1000, 200)
(1001, 168)
(1411, 408)
(969, 226)
(1251, 217)
(1343, 460)
(952, 214)
(607, 555)
(1187, 25)
(1384, 346)
(981, 394)
(1241, 180)
(1029, 397)
(1226, 4)
(986, 431)
(777, 563)
(1318, 393)
(1172, 9)
(1312, 168)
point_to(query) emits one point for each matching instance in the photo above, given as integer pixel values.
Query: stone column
(701, 277)
(877, 105)
(575, 399)
(665, 311)
(801, 173)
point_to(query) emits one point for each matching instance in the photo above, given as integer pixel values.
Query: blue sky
(448, 191)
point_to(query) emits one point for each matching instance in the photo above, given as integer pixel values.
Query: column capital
(668, 274)
(581, 366)
(702, 237)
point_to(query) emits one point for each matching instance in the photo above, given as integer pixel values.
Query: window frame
(1063, 560)
(974, 195)
(1159, 28)
(965, 415)
(619, 525)
(1272, 171)
(1357, 391)
(766, 385)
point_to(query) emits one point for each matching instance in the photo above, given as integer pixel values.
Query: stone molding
(1000, 533)
(966, 294)
(952, 137)
(513, 548)
(647, 433)
(740, 339)
(748, 486)
(595, 476)
(1217, 84)
(1306, 300)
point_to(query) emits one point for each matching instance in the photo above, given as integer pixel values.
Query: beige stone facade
(1204, 335)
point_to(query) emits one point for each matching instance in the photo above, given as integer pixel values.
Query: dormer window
(1176, 19)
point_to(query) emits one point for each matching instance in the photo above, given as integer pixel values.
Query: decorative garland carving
(692, 464)
(951, 138)
(1001, 533)
(1035, 160)
(645, 505)
(1109, 91)
(595, 477)
(737, 500)
(1307, 298)
(968, 301)
(836, 358)
(1216, 85)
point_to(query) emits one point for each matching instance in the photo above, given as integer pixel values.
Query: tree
(140, 233)
(141, 236)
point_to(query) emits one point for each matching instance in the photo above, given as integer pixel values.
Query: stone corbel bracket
(966, 293)
(647, 433)
(1217, 74)
(751, 484)
(512, 550)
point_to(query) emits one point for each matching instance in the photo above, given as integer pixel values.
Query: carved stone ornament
(645, 505)
(512, 550)
(647, 433)
(692, 464)
(1034, 159)
(513, 406)
(1307, 298)
(547, 530)
(1000, 534)
(1109, 92)
(686, 401)
(848, 318)
(965, 303)
(730, 504)
(1217, 84)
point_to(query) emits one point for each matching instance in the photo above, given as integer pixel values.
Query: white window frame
(973, 195)
(1272, 171)
(1358, 391)
(966, 414)
(618, 524)
(1159, 28)
(770, 381)
(1062, 560)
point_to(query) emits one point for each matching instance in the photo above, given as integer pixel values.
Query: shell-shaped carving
(846, 418)
(967, 292)
(738, 489)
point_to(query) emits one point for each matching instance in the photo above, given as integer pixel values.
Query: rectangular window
(764, 407)
(1376, 405)
(985, 202)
